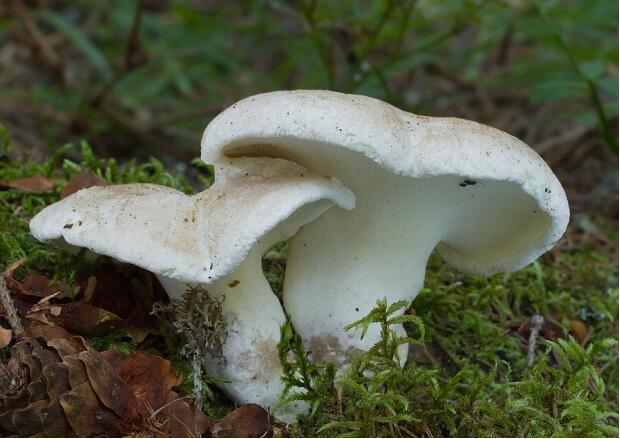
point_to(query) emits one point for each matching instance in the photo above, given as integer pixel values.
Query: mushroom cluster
(404, 185)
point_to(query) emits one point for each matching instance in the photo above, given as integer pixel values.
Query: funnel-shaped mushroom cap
(199, 238)
(215, 238)
(483, 198)
(318, 128)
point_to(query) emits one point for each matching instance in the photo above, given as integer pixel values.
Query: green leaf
(610, 86)
(555, 90)
(592, 69)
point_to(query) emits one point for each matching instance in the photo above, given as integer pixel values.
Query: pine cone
(61, 388)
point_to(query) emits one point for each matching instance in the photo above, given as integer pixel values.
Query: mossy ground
(468, 374)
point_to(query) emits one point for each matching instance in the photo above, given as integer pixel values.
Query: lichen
(198, 319)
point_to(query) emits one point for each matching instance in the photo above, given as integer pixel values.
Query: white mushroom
(484, 199)
(215, 238)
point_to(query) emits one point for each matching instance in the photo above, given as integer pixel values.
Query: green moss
(120, 340)
(468, 378)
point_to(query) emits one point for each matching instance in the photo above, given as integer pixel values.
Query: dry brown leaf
(578, 329)
(89, 291)
(76, 317)
(5, 337)
(10, 269)
(86, 416)
(150, 378)
(81, 181)
(280, 430)
(249, 420)
(111, 389)
(30, 185)
(34, 284)
(112, 292)
(37, 285)
(115, 358)
(9, 272)
(181, 419)
(46, 332)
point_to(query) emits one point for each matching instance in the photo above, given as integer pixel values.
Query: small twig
(563, 137)
(132, 58)
(148, 137)
(504, 48)
(133, 44)
(404, 54)
(39, 40)
(197, 379)
(11, 312)
(156, 412)
(202, 112)
(435, 69)
(374, 34)
(325, 52)
(536, 323)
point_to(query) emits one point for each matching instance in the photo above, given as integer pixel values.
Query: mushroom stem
(342, 263)
(247, 363)
(214, 239)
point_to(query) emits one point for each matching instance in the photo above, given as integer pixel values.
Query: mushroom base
(246, 367)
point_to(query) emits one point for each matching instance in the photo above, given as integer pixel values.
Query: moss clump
(470, 376)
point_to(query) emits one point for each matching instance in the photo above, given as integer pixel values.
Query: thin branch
(536, 323)
(404, 54)
(132, 57)
(50, 57)
(9, 307)
(156, 412)
(565, 136)
(370, 43)
(133, 44)
(307, 13)
(369, 46)
(148, 137)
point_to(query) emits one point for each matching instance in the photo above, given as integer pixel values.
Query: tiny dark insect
(466, 182)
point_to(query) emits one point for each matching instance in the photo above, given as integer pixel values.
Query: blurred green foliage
(188, 59)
